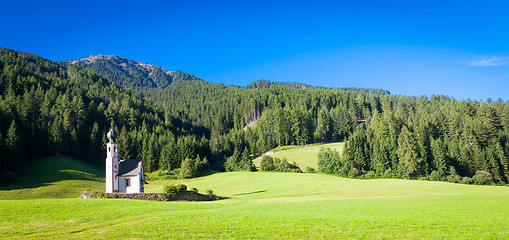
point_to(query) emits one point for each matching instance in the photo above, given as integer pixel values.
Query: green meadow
(265, 205)
(55, 177)
(304, 156)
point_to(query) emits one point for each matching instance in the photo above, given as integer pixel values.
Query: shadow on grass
(47, 171)
(240, 194)
(61, 175)
(222, 197)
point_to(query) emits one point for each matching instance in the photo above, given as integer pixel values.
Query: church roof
(130, 167)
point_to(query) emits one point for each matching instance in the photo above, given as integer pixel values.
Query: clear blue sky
(454, 48)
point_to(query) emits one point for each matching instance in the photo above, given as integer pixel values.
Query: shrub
(467, 180)
(8, 177)
(285, 166)
(453, 177)
(353, 172)
(209, 192)
(194, 189)
(436, 176)
(181, 187)
(171, 190)
(310, 170)
(482, 177)
(370, 174)
(267, 164)
(388, 173)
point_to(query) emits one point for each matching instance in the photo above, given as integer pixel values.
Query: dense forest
(55, 108)
(48, 109)
(131, 74)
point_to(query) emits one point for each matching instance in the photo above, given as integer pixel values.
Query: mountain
(267, 84)
(64, 109)
(131, 74)
(49, 109)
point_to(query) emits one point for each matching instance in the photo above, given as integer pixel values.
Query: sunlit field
(306, 156)
(274, 205)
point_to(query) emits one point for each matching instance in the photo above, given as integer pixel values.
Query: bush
(436, 176)
(181, 187)
(171, 190)
(482, 177)
(370, 174)
(8, 177)
(388, 173)
(454, 178)
(267, 163)
(209, 192)
(194, 189)
(285, 166)
(353, 172)
(310, 170)
(467, 180)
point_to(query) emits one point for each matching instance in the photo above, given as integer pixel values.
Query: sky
(455, 48)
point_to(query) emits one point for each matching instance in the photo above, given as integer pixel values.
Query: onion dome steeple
(112, 135)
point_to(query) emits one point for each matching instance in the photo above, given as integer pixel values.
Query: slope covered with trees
(70, 108)
(47, 109)
(129, 73)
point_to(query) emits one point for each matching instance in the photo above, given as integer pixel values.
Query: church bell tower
(111, 163)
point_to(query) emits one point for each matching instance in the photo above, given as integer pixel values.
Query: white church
(124, 176)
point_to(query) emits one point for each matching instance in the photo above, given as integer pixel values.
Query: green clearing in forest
(306, 156)
(274, 205)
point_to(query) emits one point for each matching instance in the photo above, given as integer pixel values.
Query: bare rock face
(181, 196)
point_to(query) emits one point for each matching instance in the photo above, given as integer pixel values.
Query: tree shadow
(241, 194)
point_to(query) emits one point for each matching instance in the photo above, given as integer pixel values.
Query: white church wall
(135, 185)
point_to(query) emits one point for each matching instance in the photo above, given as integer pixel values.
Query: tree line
(50, 109)
(53, 108)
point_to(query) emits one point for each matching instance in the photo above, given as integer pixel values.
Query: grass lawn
(274, 205)
(55, 177)
(304, 156)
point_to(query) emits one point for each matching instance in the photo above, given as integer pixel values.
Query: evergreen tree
(407, 152)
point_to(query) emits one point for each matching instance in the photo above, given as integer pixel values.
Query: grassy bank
(55, 177)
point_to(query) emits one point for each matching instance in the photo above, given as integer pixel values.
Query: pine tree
(407, 152)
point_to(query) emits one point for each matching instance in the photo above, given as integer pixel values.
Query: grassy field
(303, 156)
(55, 177)
(274, 205)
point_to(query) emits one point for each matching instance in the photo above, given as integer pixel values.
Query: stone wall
(181, 196)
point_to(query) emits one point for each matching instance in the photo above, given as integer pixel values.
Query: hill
(55, 177)
(131, 74)
(306, 156)
(48, 109)
(66, 110)
(275, 206)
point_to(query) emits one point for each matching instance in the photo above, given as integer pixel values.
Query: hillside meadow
(55, 177)
(306, 156)
(263, 205)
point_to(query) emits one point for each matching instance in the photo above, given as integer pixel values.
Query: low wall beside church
(181, 196)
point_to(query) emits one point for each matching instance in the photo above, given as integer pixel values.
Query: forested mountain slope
(48, 109)
(266, 84)
(131, 74)
(387, 135)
